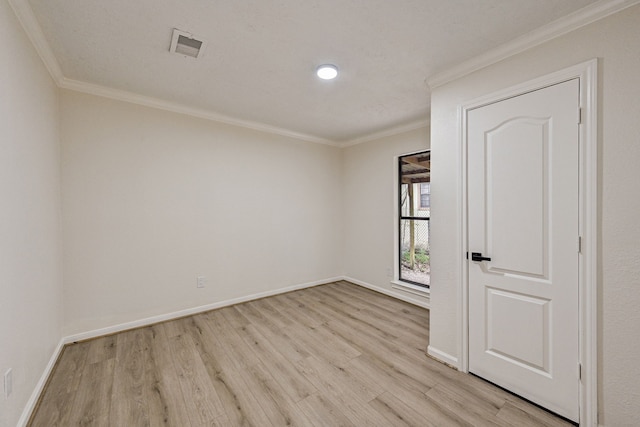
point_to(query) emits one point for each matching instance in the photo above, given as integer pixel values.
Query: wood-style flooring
(332, 355)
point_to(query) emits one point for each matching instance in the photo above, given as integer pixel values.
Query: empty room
(354, 213)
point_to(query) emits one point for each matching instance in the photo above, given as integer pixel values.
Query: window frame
(421, 206)
(420, 287)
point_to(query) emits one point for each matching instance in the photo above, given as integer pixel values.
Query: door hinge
(579, 116)
(580, 371)
(579, 244)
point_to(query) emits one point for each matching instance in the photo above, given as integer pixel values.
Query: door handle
(477, 256)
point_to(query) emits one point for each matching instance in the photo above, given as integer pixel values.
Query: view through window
(414, 203)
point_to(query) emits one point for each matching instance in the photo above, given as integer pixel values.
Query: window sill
(412, 289)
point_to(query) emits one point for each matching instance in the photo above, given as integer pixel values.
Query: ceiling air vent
(186, 44)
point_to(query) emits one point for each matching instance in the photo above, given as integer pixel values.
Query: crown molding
(580, 18)
(387, 132)
(174, 107)
(557, 28)
(27, 19)
(29, 23)
(147, 101)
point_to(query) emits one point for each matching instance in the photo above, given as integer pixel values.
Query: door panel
(523, 215)
(517, 149)
(530, 316)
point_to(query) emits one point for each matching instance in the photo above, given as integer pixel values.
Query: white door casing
(523, 214)
(587, 73)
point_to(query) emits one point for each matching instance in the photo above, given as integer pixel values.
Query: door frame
(587, 73)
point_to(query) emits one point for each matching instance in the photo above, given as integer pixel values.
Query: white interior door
(523, 217)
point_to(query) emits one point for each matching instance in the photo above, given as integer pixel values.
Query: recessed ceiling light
(327, 71)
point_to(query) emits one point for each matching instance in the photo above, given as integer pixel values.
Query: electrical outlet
(389, 272)
(201, 281)
(8, 383)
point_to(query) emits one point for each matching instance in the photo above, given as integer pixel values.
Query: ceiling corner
(557, 28)
(407, 127)
(30, 24)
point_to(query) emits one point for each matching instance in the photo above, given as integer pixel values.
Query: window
(425, 195)
(414, 207)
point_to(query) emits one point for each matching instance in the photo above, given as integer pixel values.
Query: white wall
(30, 251)
(616, 41)
(152, 199)
(369, 223)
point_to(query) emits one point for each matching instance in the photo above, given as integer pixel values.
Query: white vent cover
(186, 44)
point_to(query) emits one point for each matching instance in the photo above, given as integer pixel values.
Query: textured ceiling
(261, 54)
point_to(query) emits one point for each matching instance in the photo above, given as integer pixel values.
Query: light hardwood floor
(332, 355)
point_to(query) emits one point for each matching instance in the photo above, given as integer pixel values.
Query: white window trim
(411, 288)
(396, 282)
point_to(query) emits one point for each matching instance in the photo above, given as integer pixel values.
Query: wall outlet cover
(201, 281)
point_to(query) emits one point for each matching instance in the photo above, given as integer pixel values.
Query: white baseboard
(35, 395)
(194, 310)
(442, 356)
(33, 400)
(189, 311)
(397, 295)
